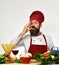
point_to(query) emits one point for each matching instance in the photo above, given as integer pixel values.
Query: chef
(36, 41)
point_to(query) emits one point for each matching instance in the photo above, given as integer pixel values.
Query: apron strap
(45, 39)
(30, 41)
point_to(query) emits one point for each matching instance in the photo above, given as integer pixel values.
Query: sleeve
(50, 43)
(18, 41)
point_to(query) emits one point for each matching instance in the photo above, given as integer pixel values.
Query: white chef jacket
(36, 40)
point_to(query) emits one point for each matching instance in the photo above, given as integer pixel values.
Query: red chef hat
(37, 15)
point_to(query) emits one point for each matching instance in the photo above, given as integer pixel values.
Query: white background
(14, 14)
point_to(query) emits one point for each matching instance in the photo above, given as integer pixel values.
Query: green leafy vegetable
(18, 61)
(53, 58)
(3, 58)
(39, 57)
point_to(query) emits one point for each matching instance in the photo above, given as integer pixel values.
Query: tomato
(9, 57)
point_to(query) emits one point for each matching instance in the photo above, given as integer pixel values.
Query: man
(36, 41)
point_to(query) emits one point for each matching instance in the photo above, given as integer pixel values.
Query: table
(26, 64)
(21, 64)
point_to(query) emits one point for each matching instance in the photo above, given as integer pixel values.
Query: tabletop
(26, 64)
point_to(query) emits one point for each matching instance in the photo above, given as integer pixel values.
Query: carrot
(46, 54)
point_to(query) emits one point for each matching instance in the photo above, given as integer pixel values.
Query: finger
(29, 29)
(28, 24)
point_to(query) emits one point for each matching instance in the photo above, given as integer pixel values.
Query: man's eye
(36, 22)
(30, 23)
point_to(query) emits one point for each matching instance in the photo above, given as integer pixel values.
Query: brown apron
(37, 48)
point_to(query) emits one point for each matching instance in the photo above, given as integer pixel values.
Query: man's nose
(32, 24)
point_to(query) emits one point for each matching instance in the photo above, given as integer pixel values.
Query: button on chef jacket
(36, 40)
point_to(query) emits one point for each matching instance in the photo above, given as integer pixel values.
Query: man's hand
(25, 30)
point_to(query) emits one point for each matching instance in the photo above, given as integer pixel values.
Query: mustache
(33, 27)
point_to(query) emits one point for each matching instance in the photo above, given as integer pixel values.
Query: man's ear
(40, 25)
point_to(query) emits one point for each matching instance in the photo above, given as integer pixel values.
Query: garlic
(52, 56)
(29, 54)
(26, 55)
(22, 55)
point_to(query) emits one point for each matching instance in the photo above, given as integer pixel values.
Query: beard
(34, 31)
